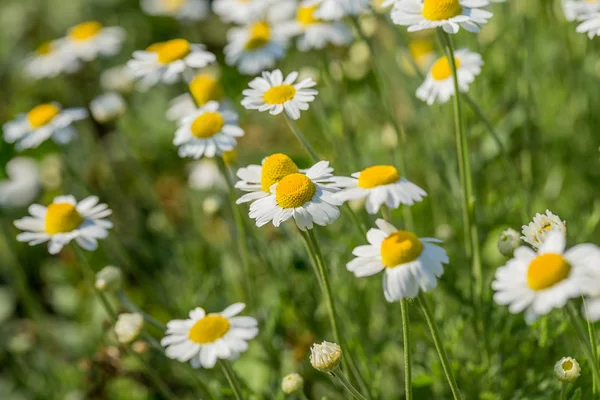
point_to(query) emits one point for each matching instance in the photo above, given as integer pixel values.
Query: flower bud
(108, 107)
(109, 278)
(567, 369)
(326, 356)
(128, 327)
(292, 383)
(508, 242)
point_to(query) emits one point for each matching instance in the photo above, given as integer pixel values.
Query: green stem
(347, 385)
(240, 233)
(407, 350)
(439, 346)
(232, 379)
(294, 128)
(321, 271)
(585, 344)
(594, 346)
(563, 391)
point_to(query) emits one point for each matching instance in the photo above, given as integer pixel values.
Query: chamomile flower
(567, 369)
(316, 33)
(23, 183)
(450, 15)
(65, 220)
(204, 87)
(185, 10)
(409, 263)
(536, 232)
(89, 40)
(168, 61)
(50, 60)
(42, 122)
(107, 107)
(380, 184)
(205, 175)
(258, 179)
(334, 10)
(306, 197)
(239, 11)
(538, 282)
(274, 94)
(439, 83)
(208, 132)
(590, 25)
(580, 9)
(204, 338)
(257, 45)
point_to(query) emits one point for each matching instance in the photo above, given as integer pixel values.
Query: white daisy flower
(117, 79)
(567, 369)
(239, 11)
(204, 338)
(185, 10)
(168, 61)
(334, 10)
(316, 33)
(204, 87)
(257, 46)
(107, 107)
(380, 184)
(536, 232)
(450, 15)
(274, 94)
(50, 60)
(580, 9)
(410, 263)
(590, 25)
(90, 39)
(308, 198)
(538, 282)
(42, 122)
(208, 132)
(439, 83)
(65, 220)
(206, 175)
(258, 179)
(23, 183)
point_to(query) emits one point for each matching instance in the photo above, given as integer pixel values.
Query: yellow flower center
(274, 168)
(567, 365)
(260, 34)
(172, 50)
(437, 10)
(172, 5)
(306, 15)
(85, 30)
(155, 47)
(442, 70)
(205, 88)
(547, 270)
(279, 94)
(42, 114)
(399, 248)
(378, 175)
(207, 125)
(294, 191)
(44, 48)
(209, 329)
(62, 217)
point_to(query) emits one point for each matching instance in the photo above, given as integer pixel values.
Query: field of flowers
(269, 199)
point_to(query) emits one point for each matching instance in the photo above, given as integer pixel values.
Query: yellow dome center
(260, 34)
(274, 168)
(294, 191)
(172, 5)
(437, 10)
(205, 88)
(306, 15)
(442, 70)
(171, 50)
(378, 175)
(85, 30)
(207, 125)
(42, 114)
(399, 248)
(62, 217)
(279, 94)
(547, 270)
(44, 48)
(209, 329)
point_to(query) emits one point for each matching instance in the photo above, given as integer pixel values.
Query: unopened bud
(109, 278)
(326, 356)
(292, 383)
(508, 242)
